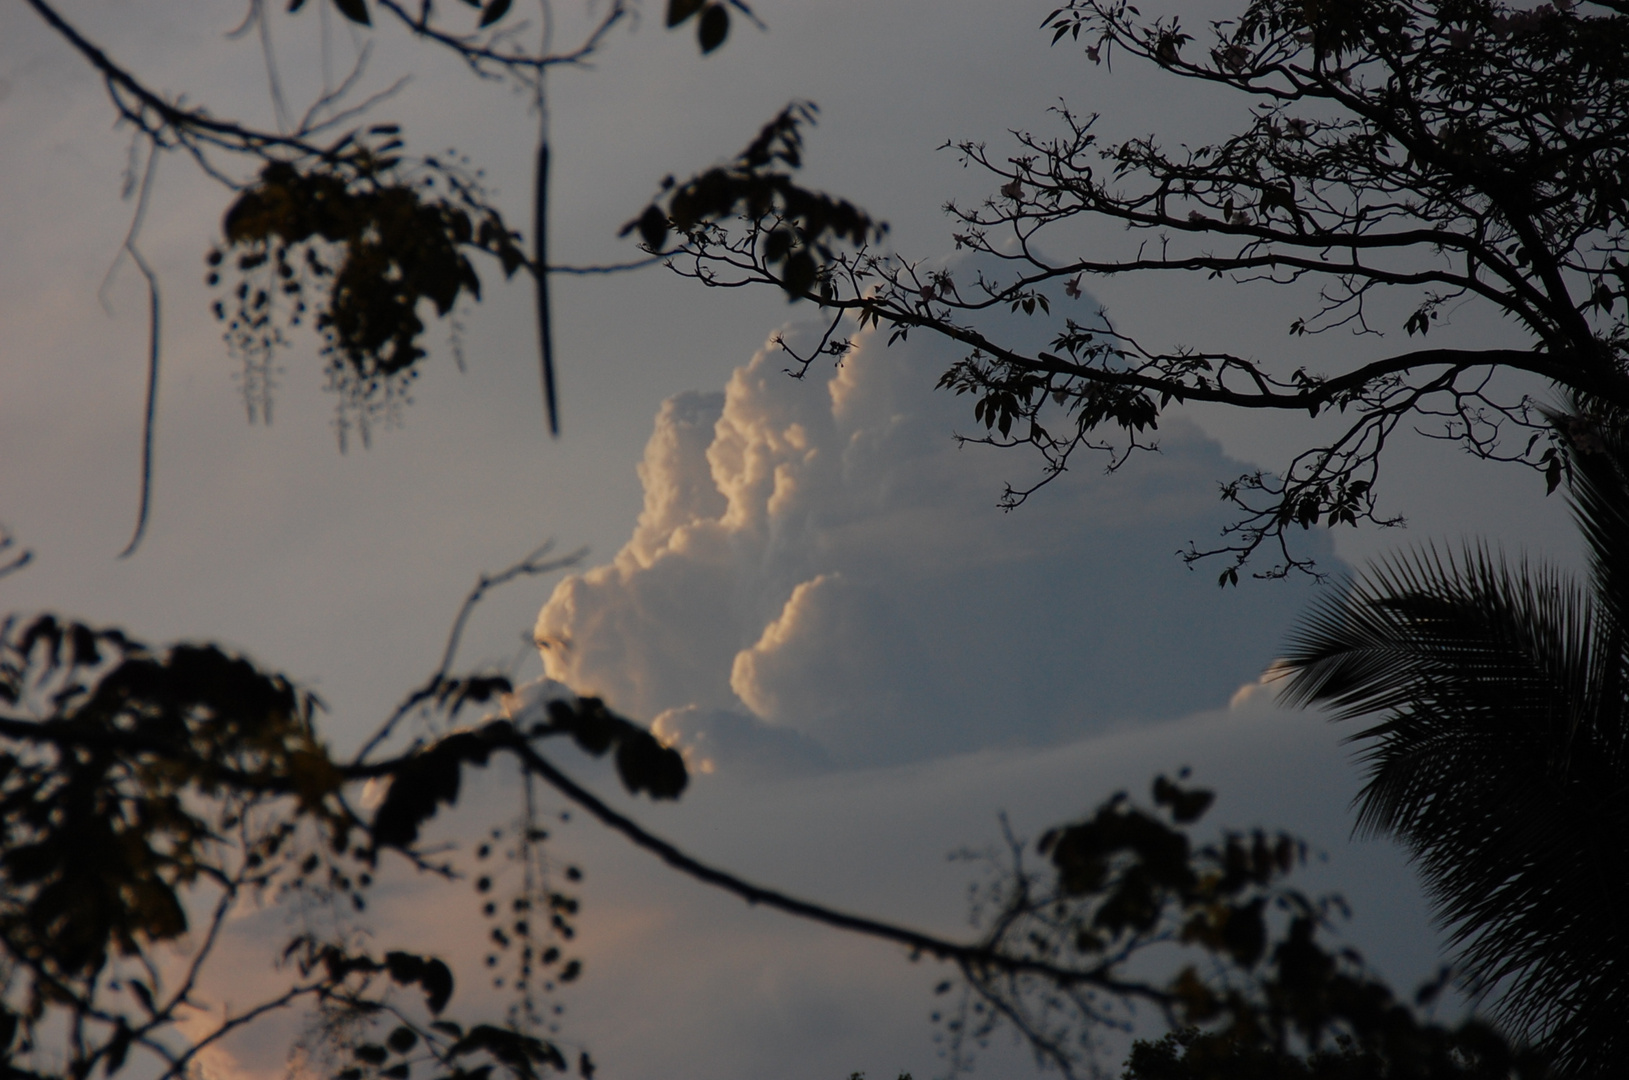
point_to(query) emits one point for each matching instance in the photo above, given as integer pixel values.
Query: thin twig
(530, 566)
(155, 308)
(609, 268)
(8, 564)
(540, 255)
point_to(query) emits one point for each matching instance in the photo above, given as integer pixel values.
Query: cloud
(707, 736)
(819, 556)
(735, 742)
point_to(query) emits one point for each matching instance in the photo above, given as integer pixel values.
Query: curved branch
(531, 566)
(968, 957)
(467, 47)
(223, 132)
(155, 312)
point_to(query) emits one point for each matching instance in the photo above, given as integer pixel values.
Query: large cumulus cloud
(821, 557)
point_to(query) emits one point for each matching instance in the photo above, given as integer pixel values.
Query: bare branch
(533, 565)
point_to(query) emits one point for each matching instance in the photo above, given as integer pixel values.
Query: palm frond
(1495, 752)
(1598, 451)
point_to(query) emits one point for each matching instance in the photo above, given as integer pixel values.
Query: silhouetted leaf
(643, 763)
(1245, 934)
(520, 1052)
(424, 782)
(494, 10)
(354, 10)
(680, 10)
(118, 1048)
(798, 276)
(653, 227)
(413, 796)
(646, 765)
(1186, 805)
(713, 28)
(372, 1053)
(431, 974)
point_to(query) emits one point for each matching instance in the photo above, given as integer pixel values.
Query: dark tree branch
(979, 957)
(540, 256)
(223, 133)
(1423, 151)
(533, 565)
(154, 351)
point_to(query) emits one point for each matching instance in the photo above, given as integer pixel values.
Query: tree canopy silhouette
(147, 794)
(1401, 155)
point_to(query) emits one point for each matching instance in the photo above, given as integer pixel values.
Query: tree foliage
(802, 243)
(143, 791)
(1259, 990)
(1400, 156)
(336, 223)
(1495, 746)
(367, 238)
(147, 797)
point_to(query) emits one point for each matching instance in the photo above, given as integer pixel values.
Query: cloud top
(820, 557)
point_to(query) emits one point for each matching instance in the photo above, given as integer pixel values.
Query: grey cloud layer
(820, 555)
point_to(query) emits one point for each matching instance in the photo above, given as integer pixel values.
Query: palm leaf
(1598, 445)
(1495, 752)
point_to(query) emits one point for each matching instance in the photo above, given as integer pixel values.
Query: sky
(807, 584)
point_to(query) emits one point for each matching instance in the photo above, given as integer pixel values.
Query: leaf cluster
(430, 777)
(147, 796)
(438, 1046)
(133, 782)
(797, 229)
(1265, 992)
(358, 242)
(98, 834)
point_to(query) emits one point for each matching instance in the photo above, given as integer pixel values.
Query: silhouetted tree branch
(337, 226)
(139, 786)
(1419, 152)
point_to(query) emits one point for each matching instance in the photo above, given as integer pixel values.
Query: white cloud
(738, 744)
(820, 556)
